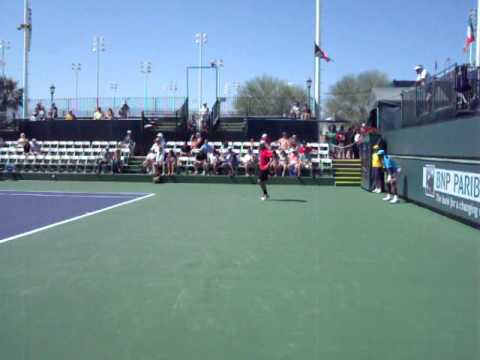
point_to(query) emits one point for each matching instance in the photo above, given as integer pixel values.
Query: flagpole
(318, 106)
(477, 57)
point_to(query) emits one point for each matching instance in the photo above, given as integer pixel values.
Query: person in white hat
(422, 75)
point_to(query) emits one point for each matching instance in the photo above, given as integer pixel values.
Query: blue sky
(253, 37)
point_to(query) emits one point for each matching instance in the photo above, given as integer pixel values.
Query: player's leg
(394, 190)
(389, 189)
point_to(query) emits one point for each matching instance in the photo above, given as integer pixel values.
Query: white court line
(66, 195)
(34, 231)
(69, 192)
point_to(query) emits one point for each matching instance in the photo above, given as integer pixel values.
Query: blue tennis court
(26, 212)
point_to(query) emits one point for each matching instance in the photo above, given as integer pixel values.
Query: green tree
(349, 97)
(266, 95)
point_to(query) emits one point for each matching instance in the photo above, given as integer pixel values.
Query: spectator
(128, 142)
(171, 163)
(340, 138)
(2, 142)
(283, 163)
(295, 111)
(196, 140)
(377, 170)
(422, 75)
(160, 158)
(53, 112)
(39, 112)
(230, 162)
(358, 141)
(161, 139)
(124, 111)
(185, 150)
(293, 142)
(70, 116)
(265, 140)
(98, 114)
(117, 162)
(204, 117)
(22, 140)
(149, 163)
(349, 142)
(200, 162)
(105, 160)
(35, 147)
(305, 153)
(275, 161)
(110, 115)
(284, 141)
(295, 165)
(306, 112)
(249, 161)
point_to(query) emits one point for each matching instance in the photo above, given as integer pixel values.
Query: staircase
(347, 172)
(134, 165)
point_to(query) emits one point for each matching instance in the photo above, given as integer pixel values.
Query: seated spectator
(295, 165)
(98, 114)
(282, 163)
(117, 162)
(70, 116)
(200, 163)
(161, 139)
(230, 162)
(124, 111)
(306, 112)
(151, 158)
(159, 164)
(35, 147)
(185, 150)
(22, 140)
(53, 112)
(171, 163)
(284, 141)
(275, 161)
(128, 142)
(295, 111)
(110, 115)
(249, 162)
(293, 142)
(205, 157)
(305, 153)
(196, 140)
(104, 161)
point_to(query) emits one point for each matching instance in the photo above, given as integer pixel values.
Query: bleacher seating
(320, 155)
(59, 156)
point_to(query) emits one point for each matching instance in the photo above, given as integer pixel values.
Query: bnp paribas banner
(453, 190)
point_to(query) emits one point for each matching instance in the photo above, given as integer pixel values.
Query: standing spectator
(349, 142)
(171, 163)
(53, 112)
(377, 170)
(124, 111)
(330, 136)
(204, 117)
(110, 115)
(161, 138)
(422, 75)
(249, 161)
(98, 114)
(340, 137)
(70, 116)
(358, 141)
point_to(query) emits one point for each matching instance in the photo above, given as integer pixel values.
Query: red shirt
(264, 159)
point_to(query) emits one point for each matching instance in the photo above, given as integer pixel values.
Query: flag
(470, 35)
(321, 54)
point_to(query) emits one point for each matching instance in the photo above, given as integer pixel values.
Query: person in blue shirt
(392, 170)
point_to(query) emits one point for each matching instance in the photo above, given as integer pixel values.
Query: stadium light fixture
(98, 47)
(76, 67)
(146, 70)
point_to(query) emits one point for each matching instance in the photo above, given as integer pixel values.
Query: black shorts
(264, 174)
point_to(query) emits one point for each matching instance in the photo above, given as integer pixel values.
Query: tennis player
(265, 159)
(392, 170)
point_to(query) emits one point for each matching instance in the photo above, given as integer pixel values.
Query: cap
(418, 67)
(375, 147)
(381, 152)
(129, 131)
(159, 135)
(264, 136)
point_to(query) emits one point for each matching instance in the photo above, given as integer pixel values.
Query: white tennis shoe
(387, 198)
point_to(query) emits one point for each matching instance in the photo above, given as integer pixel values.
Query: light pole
(4, 45)
(98, 47)
(201, 39)
(146, 70)
(114, 88)
(52, 94)
(309, 88)
(76, 67)
(218, 63)
(26, 27)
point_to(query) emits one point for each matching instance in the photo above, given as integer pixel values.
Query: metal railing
(85, 107)
(446, 94)
(278, 106)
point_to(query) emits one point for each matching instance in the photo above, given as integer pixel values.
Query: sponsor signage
(454, 190)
